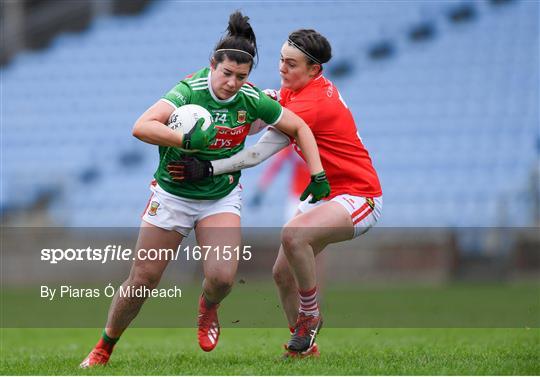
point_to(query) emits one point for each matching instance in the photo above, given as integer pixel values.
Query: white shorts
(364, 212)
(172, 212)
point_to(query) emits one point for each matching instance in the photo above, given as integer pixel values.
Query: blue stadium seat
(450, 123)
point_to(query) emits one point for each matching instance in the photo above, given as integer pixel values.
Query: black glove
(190, 168)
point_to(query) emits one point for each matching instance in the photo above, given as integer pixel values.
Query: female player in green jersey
(210, 204)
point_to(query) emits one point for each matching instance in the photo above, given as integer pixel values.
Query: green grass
(257, 352)
(455, 329)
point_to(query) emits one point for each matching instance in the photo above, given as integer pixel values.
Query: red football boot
(312, 351)
(306, 329)
(208, 323)
(98, 356)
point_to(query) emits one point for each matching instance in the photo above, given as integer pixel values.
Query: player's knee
(292, 239)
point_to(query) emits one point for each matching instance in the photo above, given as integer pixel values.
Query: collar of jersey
(214, 97)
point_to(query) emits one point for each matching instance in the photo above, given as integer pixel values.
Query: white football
(184, 118)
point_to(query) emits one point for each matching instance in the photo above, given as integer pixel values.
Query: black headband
(304, 51)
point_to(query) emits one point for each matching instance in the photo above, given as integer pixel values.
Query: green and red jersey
(232, 118)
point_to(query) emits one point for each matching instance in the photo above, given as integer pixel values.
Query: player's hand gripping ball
(194, 122)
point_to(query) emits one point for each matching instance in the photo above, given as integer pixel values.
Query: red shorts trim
(359, 215)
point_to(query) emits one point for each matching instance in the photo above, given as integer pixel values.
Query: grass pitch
(463, 333)
(257, 352)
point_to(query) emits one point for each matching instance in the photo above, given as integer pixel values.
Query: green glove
(319, 188)
(197, 139)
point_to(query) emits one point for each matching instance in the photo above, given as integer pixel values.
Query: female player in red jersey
(354, 204)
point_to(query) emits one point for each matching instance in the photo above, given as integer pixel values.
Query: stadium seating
(451, 122)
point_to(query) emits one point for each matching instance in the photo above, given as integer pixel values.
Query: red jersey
(343, 156)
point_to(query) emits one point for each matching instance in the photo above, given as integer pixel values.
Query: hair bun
(239, 26)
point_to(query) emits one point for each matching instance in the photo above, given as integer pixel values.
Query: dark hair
(314, 44)
(240, 36)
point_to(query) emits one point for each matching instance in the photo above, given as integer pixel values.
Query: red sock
(308, 302)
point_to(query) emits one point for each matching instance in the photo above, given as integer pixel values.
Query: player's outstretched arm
(270, 143)
(191, 168)
(295, 127)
